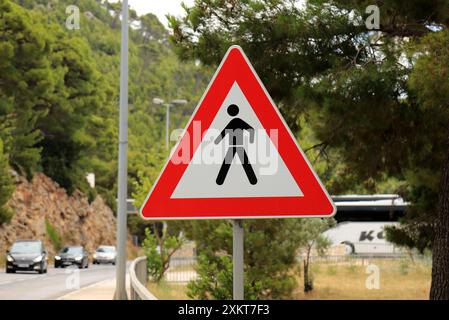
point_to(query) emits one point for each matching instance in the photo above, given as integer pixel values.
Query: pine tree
(357, 89)
(25, 82)
(6, 187)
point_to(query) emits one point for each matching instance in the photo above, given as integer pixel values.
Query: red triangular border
(315, 201)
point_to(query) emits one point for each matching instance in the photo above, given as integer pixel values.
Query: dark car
(27, 255)
(73, 255)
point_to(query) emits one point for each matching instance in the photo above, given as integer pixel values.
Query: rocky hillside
(43, 210)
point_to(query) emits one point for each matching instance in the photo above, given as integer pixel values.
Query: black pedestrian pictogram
(235, 130)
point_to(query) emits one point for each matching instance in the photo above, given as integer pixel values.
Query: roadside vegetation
(59, 95)
(54, 236)
(374, 100)
(164, 290)
(159, 246)
(400, 279)
(369, 108)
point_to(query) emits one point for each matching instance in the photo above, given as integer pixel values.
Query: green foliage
(312, 239)
(78, 95)
(49, 88)
(271, 248)
(54, 236)
(6, 215)
(311, 234)
(215, 280)
(6, 187)
(375, 102)
(59, 92)
(154, 262)
(25, 83)
(158, 249)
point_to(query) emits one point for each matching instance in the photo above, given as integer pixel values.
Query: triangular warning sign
(237, 158)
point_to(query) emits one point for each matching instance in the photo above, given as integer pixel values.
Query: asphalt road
(54, 284)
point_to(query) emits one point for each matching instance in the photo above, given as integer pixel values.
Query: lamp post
(160, 101)
(120, 289)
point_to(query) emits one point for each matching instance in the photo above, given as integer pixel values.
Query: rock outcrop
(42, 204)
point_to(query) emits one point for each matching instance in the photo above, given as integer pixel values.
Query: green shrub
(54, 236)
(214, 280)
(158, 249)
(154, 261)
(6, 215)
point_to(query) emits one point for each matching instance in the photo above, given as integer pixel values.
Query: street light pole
(160, 101)
(167, 127)
(120, 290)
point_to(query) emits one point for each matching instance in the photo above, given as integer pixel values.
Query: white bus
(362, 220)
(362, 238)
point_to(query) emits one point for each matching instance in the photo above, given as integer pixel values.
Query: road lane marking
(76, 291)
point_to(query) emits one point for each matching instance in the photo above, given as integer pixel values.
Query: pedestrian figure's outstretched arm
(221, 136)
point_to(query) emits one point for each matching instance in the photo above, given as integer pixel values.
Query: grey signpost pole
(120, 290)
(237, 260)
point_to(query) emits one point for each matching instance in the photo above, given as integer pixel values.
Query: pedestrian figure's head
(233, 110)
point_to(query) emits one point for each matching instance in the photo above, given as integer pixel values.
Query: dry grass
(168, 291)
(133, 252)
(399, 280)
(2, 260)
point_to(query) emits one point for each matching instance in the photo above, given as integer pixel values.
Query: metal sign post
(120, 289)
(237, 260)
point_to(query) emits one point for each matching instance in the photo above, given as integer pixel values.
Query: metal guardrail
(138, 280)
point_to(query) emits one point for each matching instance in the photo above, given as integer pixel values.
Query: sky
(159, 7)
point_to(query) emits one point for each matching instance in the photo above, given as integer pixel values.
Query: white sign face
(273, 177)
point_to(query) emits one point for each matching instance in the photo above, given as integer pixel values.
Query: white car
(105, 254)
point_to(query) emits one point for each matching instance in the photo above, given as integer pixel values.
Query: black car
(27, 255)
(73, 255)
